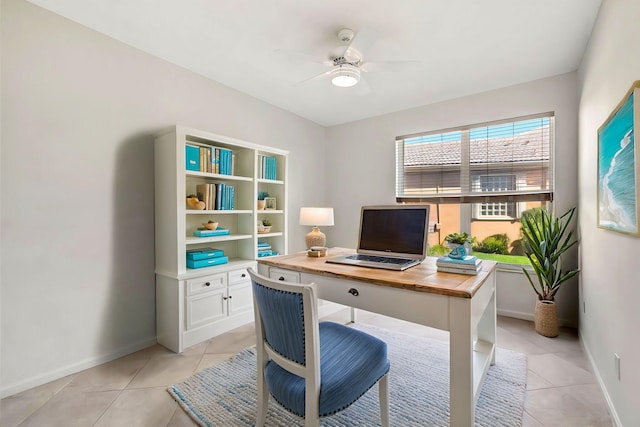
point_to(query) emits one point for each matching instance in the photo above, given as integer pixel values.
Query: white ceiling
(464, 46)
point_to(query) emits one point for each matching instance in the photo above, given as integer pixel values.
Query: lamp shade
(316, 216)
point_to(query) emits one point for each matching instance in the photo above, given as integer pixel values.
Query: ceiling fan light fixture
(345, 75)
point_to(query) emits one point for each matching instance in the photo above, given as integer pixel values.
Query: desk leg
(353, 314)
(461, 401)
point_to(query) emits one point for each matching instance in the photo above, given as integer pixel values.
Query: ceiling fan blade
(389, 66)
(316, 77)
(297, 56)
(360, 43)
(362, 88)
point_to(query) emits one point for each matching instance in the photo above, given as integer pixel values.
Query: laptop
(391, 237)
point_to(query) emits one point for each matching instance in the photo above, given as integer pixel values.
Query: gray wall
(372, 175)
(610, 283)
(79, 114)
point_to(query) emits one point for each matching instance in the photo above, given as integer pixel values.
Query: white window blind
(469, 164)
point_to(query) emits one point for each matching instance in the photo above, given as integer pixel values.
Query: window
(488, 174)
(495, 210)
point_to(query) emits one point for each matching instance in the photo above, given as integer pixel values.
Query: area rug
(225, 395)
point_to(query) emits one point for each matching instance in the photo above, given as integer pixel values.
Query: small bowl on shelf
(210, 225)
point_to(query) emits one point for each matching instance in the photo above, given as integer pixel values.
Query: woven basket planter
(546, 318)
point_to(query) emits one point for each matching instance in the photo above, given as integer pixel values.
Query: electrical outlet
(617, 364)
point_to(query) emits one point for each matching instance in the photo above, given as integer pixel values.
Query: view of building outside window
(479, 180)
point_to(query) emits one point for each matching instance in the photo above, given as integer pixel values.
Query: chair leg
(383, 391)
(263, 399)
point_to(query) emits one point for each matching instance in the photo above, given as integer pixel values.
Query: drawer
(239, 276)
(206, 283)
(284, 275)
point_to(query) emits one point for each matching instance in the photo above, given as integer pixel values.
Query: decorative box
(192, 157)
(207, 262)
(204, 253)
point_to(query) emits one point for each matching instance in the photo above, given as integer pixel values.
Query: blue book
(204, 253)
(469, 260)
(207, 262)
(192, 158)
(209, 233)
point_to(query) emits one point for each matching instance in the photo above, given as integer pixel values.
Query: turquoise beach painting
(617, 169)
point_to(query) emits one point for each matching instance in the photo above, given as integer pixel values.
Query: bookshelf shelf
(190, 305)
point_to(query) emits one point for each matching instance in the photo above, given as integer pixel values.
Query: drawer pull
(281, 278)
(243, 275)
(354, 292)
(207, 284)
(225, 298)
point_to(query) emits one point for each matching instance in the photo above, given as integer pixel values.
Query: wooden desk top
(421, 278)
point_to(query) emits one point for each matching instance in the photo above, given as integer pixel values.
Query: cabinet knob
(354, 292)
(230, 296)
(243, 275)
(224, 298)
(281, 278)
(207, 284)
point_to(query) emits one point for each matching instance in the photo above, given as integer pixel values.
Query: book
(468, 261)
(209, 233)
(469, 271)
(202, 191)
(204, 253)
(459, 266)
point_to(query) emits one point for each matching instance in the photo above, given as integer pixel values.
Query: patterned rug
(225, 396)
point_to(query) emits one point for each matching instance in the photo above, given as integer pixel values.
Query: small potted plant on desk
(455, 240)
(545, 239)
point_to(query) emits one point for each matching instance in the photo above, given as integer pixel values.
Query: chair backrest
(287, 323)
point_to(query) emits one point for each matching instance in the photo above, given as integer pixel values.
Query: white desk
(463, 305)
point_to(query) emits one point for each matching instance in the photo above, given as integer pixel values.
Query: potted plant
(267, 225)
(261, 196)
(545, 239)
(463, 239)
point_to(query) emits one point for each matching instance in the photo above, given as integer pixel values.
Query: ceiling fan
(347, 62)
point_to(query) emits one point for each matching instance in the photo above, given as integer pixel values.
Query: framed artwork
(618, 167)
(270, 203)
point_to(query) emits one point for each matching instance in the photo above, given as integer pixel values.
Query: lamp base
(315, 238)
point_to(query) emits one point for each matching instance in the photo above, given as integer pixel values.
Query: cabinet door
(240, 298)
(206, 308)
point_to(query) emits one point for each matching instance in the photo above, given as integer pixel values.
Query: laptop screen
(398, 230)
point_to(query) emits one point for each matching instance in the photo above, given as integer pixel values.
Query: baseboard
(530, 317)
(17, 387)
(603, 389)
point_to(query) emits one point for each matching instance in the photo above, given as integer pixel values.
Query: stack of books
(267, 167)
(467, 265)
(217, 196)
(210, 233)
(264, 249)
(205, 257)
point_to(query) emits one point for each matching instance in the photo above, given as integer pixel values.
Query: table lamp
(316, 217)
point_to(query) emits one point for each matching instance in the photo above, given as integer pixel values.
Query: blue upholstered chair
(312, 369)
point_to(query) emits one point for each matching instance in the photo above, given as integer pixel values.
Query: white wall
(610, 283)
(79, 114)
(361, 165)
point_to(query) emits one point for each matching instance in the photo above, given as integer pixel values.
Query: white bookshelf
(193, 305)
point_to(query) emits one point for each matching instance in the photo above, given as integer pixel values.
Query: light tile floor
(131, 391)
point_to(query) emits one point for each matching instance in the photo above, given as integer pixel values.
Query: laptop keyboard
(373, 258)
